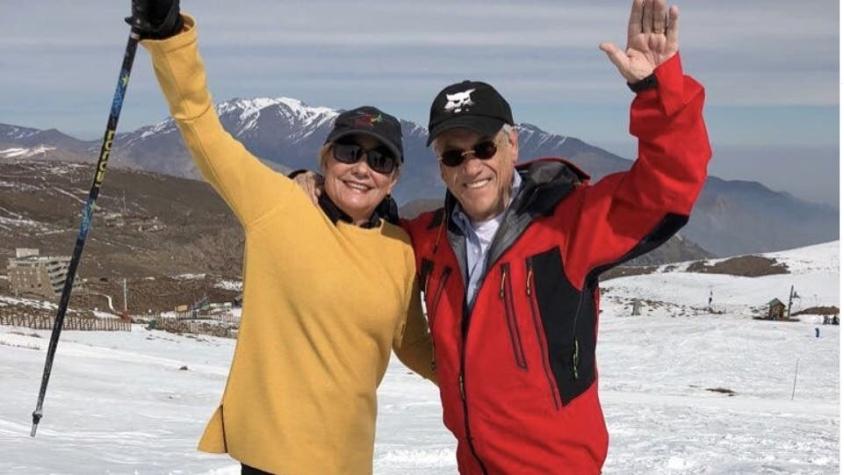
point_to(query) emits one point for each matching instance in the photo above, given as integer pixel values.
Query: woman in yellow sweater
(328, 291)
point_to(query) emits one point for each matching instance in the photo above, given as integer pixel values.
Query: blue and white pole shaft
(87, 216)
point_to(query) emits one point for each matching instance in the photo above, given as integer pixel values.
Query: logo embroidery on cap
(365, 119)
(459, 101)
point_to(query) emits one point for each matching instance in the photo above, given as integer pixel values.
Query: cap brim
(486, 126)
(337, 135)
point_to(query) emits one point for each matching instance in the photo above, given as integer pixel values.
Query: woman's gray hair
(322, 155)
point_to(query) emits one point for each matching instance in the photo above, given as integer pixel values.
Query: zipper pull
(503, 279)
(576, 359)
(529, 278)
(462, 389)
(427, 270)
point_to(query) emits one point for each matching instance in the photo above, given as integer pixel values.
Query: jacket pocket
(506, 295)
(544, 356)
(567, 317)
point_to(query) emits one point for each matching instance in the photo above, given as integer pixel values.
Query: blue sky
(770, 68)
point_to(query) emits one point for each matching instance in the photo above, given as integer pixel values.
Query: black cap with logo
(471, 105)
(368, 120)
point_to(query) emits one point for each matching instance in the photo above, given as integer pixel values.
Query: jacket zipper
(461, 377)
(506, 295)
(433, 310)
(543, 346)
(575, 356)
(461, 381)
(437, 295)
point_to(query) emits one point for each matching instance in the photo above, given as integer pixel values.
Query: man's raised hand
(652, 38)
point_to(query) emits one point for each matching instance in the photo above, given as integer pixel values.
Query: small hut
(776, 310)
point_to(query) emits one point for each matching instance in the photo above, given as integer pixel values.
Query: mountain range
(147, 225)
(731, 217)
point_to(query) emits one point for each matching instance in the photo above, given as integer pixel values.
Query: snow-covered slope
(813, 271)
(119, 403)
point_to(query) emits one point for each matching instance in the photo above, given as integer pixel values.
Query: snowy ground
(119, 403)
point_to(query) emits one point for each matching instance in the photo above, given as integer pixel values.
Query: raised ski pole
(87, 215)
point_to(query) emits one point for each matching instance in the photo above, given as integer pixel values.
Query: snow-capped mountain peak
(249, 111)
(529, 133)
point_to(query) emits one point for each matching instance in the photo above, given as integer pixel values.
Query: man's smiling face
(482, 187)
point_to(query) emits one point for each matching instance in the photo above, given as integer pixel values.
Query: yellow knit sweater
(323, 303)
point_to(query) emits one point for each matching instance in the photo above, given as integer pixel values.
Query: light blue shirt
(478, 237)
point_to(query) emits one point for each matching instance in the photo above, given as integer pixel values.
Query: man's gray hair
(507, 129)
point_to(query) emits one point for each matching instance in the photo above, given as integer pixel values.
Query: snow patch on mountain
(164, 127)
(294, 111)
(529, 132)
(20, 152)
(13, 132)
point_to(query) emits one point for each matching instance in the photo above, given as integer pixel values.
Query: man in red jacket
(510, 265)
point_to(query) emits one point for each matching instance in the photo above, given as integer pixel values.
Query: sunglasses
(380, 159)
(483, 150)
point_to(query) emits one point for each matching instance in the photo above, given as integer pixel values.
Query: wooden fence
(42, 322)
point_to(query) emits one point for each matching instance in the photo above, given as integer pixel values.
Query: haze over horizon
(770, 69)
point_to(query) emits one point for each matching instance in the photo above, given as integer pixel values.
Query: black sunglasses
(483, 150)
(380, 159)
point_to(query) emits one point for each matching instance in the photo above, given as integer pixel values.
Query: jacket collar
(545, 183)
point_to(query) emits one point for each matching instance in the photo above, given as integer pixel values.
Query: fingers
(309, 190)
(618, 57)
(309, 184)
(648, 17)
(318, 183)
(673, 29)
(314, 186)
(634, 25)
(660, 16)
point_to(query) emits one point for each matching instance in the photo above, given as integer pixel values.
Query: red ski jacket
(517, 371)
